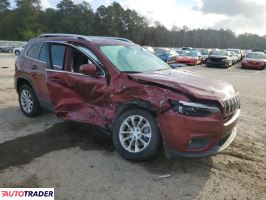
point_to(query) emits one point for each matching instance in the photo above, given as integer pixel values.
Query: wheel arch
(22, 80)
(134, 104)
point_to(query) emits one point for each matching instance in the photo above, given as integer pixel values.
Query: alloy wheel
(26, 100)
(135, 133)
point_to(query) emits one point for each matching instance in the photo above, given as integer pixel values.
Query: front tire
(17, 52)
(136, 135)
(28, 101)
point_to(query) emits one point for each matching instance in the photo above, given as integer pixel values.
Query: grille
(231, 105)
(216, 59)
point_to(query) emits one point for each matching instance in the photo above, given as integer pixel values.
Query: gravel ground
(79, 161)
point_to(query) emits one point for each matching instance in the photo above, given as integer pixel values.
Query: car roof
(98, 40)
(256, 52)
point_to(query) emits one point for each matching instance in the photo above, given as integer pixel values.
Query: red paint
(187, 60)
(253, 64)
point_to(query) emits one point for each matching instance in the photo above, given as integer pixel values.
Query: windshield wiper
(163, 69)
(130, 72)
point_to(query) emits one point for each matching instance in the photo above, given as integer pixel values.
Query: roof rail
(83, 37)
(108, 37)
(46, 35)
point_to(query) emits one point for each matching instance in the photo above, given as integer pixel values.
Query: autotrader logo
(26, 193)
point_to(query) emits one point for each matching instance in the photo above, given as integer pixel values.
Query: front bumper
(229, 139)
(217, 64)
(214, 133)
(187, 62)
(253, 66)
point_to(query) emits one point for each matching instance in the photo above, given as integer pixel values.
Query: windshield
(237, 51)
(187, 49)
(132, 59)
(159, 51)
(219, 53)
(256, 55)
(204, 52)
(191, 54)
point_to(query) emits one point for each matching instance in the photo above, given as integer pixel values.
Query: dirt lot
(79, 161)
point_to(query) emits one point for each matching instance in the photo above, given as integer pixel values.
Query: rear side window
(58, 55)
(34, 51)
(44, 53)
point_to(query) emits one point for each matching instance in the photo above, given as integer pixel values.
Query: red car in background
(188, 58)
(254, 60)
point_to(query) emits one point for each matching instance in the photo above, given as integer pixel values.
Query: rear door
(73, 95)
(38, 54)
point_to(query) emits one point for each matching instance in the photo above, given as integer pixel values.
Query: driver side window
(76, 58)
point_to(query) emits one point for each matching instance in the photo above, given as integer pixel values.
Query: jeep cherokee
(117, 85)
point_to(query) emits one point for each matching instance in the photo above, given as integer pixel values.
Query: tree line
(27, 19)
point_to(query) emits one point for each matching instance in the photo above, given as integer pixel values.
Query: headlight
(194, 109)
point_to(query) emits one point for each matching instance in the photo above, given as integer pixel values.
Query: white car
(17, 50)
(150, 49)
(237, 52)
(234, 57)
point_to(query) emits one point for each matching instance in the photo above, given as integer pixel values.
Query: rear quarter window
(34, 51)
(43, 56)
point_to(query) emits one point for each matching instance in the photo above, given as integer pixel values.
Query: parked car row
(6, 49)
(178, 57)
(11, 46)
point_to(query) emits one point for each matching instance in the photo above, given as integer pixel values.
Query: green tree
(66, 7)
(27, 13)
(28, 4)
(4, 5)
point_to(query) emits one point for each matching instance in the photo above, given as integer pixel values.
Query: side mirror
(88, 69)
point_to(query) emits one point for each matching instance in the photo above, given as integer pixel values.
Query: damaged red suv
(117, 85)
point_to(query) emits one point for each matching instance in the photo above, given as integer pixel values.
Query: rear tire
(28, 101)
(136, 135)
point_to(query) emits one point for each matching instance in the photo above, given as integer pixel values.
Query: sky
(241, 16)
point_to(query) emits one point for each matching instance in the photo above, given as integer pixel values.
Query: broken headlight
(194, 109)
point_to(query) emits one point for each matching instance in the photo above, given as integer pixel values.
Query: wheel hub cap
(135, 133)
(26, 101)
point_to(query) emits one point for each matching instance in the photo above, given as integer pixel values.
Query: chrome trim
(67, 44)
(68, 72)
(231, 105)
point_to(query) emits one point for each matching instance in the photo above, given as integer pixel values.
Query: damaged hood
(189, 83)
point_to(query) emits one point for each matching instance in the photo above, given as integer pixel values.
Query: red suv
(119, 86)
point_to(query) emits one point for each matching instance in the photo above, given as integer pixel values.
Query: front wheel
(136, 135)
(17, 52)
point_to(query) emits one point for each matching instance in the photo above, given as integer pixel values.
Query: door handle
(34, 67)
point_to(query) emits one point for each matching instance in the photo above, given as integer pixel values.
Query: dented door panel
(77, 97)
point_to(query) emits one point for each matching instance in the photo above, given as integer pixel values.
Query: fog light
(197, 143)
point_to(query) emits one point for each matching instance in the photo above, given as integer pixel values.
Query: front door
(73, 95)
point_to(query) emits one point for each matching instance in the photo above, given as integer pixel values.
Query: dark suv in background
(117, 85)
